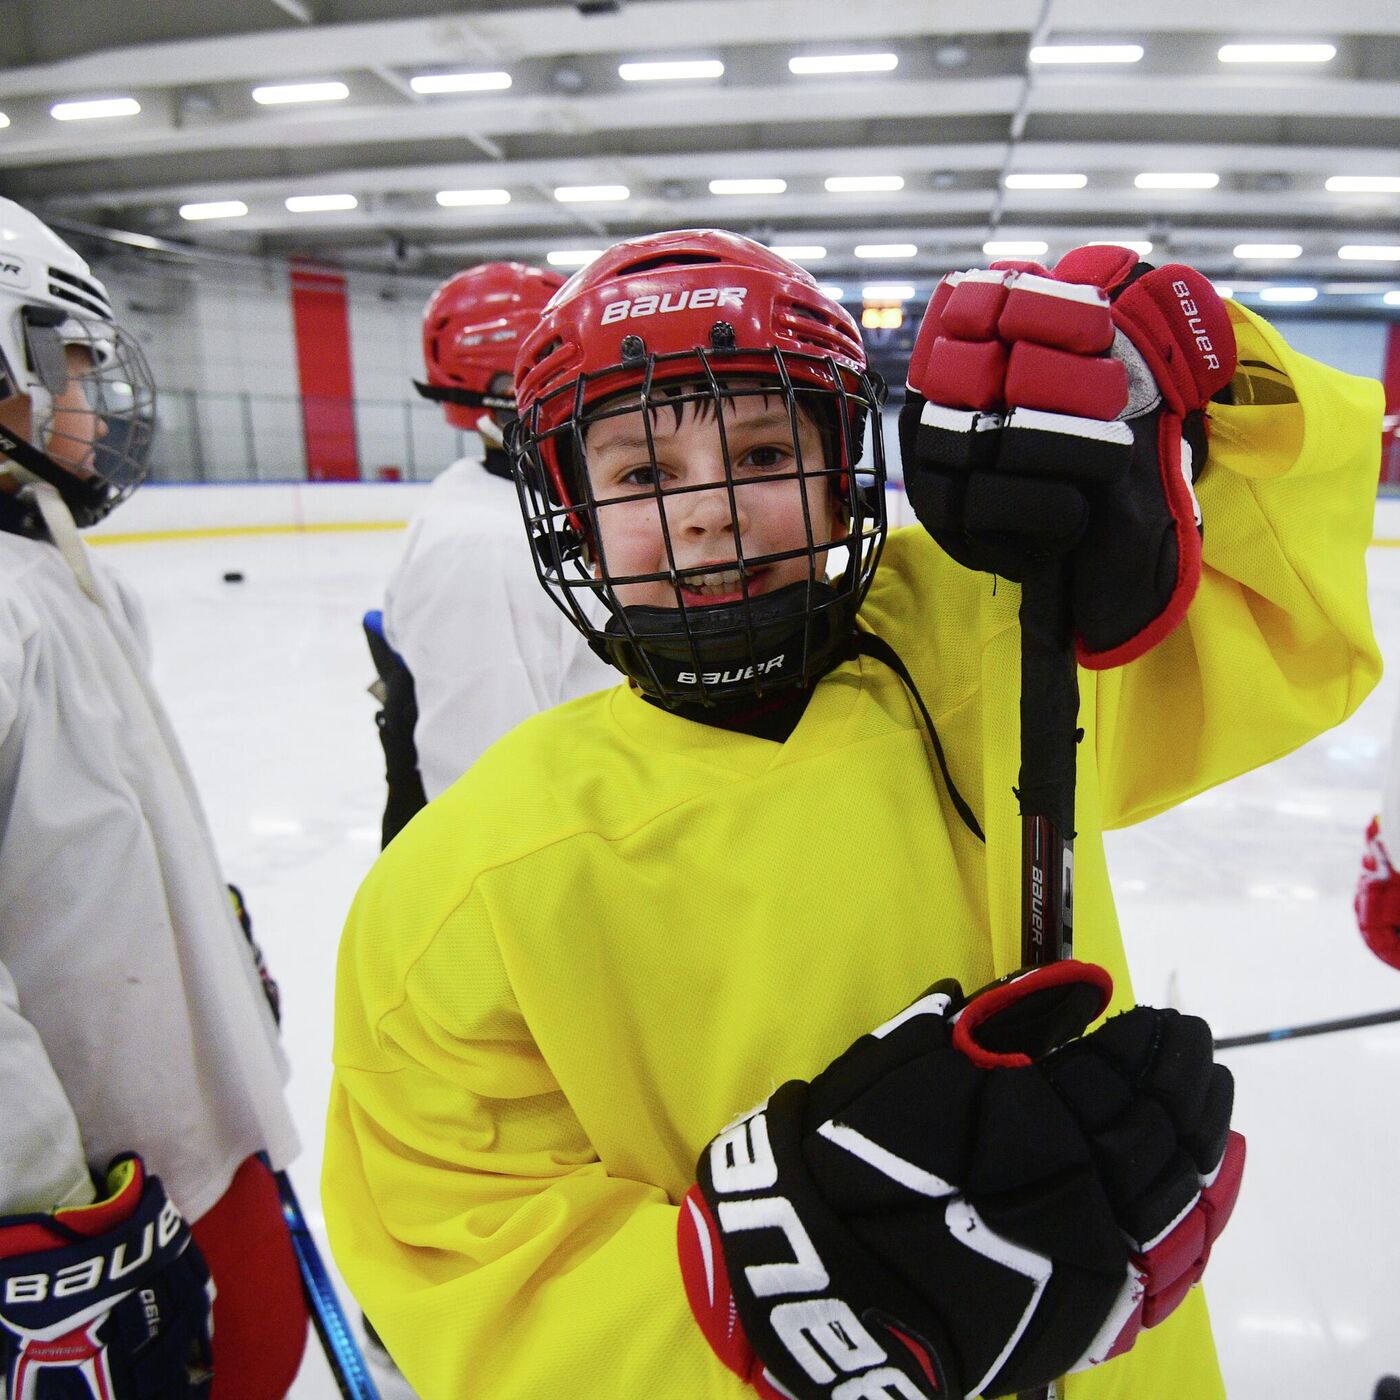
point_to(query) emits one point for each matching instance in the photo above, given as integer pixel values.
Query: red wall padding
(1390, 438)
(321, 324)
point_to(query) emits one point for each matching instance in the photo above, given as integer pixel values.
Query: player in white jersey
(142, 1076)
(484, 647)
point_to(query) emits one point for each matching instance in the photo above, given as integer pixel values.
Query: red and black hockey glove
(109, 1300)
(1062, 413)
(1378, 898)
(974, 1199)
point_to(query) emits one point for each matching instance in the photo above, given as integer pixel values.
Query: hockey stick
(343, 1354)
(1045, 788)
(1346, 1023)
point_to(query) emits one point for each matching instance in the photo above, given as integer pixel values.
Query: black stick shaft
(1049, 721)
(1345, 1023)
(1049, 733)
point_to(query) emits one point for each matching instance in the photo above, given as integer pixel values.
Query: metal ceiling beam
(33, 139)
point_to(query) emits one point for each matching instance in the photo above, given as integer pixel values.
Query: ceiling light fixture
(1370, 252)
(1086, 53)
(835, 293)
(887, 291)
(843, 63)
(320, 203)
(1363, 184)
(798, 252)
(667, 72)
(460, 199)
(214, 209)
(754, 186)
(863, 184)
(886, 250)
(459, 82)
(1045, 182)
(1176, 180)
(1226, 293)
(90, 109)
(572, 257)
(1276, 53)
(279, 94)
(1297, 295)
(1274, 251)
(591, 194)
(1391, 298)
(1015, 248)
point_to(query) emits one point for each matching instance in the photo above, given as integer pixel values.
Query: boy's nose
(711, 508)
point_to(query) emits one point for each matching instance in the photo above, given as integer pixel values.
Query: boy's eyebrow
(763, 422)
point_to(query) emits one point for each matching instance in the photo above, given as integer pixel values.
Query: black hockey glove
(970, 1200)
(1063, 413)
(111, 1299)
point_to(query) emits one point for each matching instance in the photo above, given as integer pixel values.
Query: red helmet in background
(472, 328)
(677, 318)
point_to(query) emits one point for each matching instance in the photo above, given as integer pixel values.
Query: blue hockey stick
(346, 1361)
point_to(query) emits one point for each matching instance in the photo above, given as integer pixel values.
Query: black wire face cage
(96, 432)
(786, 592)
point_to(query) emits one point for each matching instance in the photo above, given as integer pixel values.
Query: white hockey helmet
(91, 415)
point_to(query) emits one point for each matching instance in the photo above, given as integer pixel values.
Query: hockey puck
(233, 576)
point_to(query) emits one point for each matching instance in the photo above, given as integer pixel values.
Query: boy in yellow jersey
(658, 1071)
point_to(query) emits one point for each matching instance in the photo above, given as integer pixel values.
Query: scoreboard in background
(888, 329)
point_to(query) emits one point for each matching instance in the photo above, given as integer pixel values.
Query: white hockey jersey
(486, 646)
(131, 1016)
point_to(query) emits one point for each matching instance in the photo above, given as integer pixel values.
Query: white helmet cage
(92, 416)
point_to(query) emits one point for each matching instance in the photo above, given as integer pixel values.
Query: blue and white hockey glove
(974, 1199)
(110, 1301)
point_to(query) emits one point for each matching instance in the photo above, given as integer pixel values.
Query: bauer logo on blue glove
(109, 1301)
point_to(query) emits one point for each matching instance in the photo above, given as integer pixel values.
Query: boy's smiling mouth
(722, 584)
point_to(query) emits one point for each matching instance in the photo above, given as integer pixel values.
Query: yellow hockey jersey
(622, 928)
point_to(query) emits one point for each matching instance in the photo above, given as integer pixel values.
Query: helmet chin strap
(59, 520)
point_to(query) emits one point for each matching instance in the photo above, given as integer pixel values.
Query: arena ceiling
(958, 122)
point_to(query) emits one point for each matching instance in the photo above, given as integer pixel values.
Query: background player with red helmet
(605, 1065)
(142, 1076)
(483, 649)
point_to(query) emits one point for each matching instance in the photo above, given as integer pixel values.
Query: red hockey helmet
(472, 328)
(708, 318)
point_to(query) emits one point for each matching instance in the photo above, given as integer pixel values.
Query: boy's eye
(768, 455)
(640, 476)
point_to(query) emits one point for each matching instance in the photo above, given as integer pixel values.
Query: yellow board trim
(215, 532)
